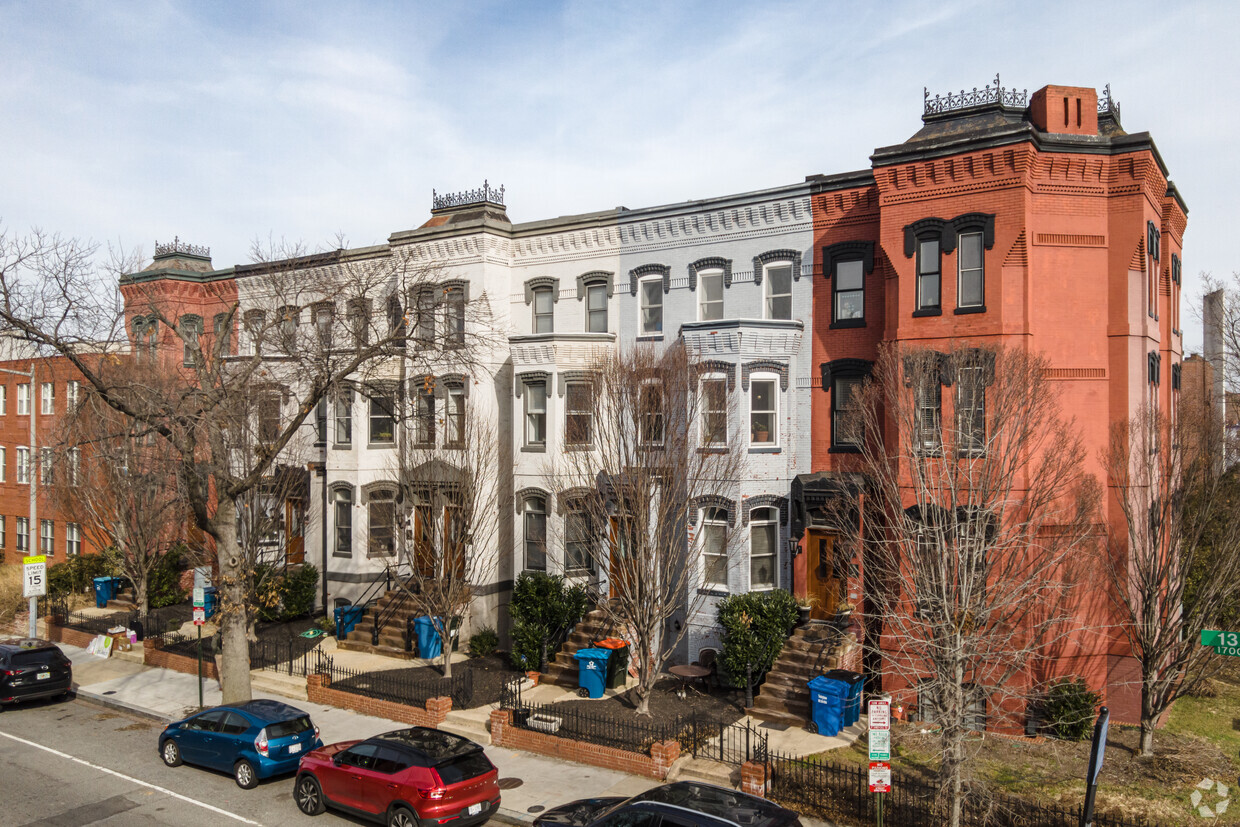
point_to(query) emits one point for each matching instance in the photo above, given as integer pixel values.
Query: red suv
(408, 778)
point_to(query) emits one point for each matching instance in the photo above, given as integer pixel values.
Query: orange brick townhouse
(57, 386)
(1029, 221)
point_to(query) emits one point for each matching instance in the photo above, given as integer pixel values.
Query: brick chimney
(1067, 110)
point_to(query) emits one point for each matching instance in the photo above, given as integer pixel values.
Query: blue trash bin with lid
(852, 703)
(592, 671)
(346, 618)
(827, 697)
(427, 631)
(103, 591)
(210, 601)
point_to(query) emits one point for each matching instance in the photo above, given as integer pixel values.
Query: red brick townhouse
(1008, 219)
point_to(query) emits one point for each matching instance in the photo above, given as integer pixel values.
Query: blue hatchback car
(253, 740)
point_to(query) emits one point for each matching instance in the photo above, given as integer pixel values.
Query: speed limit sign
(34, 583)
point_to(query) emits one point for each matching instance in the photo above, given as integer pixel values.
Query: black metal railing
(398, 685)
(840, 791)
(149, 625)
(293, 656)
(978, 97)
(728, 743)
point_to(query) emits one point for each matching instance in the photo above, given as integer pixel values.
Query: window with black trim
(970, 410)
(846, 427)
(342, 506)
(714, 403)
(535, 534)
(536, 414)
(1153, 240)
(970, 269)
(928, 416)
(578, 414)
(929, 274)
(848, 290)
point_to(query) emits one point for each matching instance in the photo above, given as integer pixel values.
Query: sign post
(200, 617)
(1097, 751)
(879, 738)
(34, 586)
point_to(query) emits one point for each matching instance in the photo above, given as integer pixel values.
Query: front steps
(562, 671)
(397, 608)
(811, 650)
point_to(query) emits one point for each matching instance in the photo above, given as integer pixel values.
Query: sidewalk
(538, 783)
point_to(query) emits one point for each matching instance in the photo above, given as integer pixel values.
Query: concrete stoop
(291, 686)
(474, 724)
(688, 768)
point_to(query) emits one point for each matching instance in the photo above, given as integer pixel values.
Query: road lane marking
(137, 781)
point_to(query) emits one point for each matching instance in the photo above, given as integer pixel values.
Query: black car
(32, 668)
(682, 804)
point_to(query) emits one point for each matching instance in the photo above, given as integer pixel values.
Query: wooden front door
(294, 532)
(619, 570)
(820, 581)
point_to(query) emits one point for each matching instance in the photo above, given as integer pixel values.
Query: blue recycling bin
(346, 618)
(592, 671)
(427, 631)
(852, 703)
(210, 601)
(103, 591)
(827, 697)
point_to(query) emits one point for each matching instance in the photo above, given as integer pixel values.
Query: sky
(229, 122)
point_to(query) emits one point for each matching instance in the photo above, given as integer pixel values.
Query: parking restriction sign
(880, 777)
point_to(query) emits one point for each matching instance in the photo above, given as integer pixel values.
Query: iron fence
(840, 791)
(398, 685)
(148, 625)
(289, 655)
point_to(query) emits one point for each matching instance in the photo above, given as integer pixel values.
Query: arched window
(534, 531)
(763, 545)
(381, 508)
(342, 510)
(714, 540)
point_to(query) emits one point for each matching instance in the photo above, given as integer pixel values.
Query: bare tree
(119, 483)
(653, 450)
(238, 395)
(975, 509)
(1178, 514)
(448, 476)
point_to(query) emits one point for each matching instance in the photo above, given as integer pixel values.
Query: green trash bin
(618, 663)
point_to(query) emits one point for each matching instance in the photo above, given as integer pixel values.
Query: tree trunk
(445, 635)
(645, 678)
(234, 621)
(141, 601)
(1149, 718)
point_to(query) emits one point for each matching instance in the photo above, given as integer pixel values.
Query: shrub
(11, 600)
(755, 625)
(77, 574)
(483, 642)
(163, 587)
(280, 597)
(1069, 709)
(327, 623)
(544, 608)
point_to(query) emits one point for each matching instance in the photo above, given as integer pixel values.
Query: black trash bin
(618, 663)
(852, 702)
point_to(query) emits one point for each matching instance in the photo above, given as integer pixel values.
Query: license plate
(292, 748)
(473, 809)
(42, 676)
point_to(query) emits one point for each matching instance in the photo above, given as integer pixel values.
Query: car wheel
(171, 753)
(245, 774)
(309, 795)
(401, 817)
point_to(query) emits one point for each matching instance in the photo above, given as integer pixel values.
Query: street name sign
(1223, 643)
(34, 582)
(880, 777)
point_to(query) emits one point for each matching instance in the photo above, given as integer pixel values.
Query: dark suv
(32, 668)
(683, 804)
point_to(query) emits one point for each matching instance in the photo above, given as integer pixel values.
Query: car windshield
(285, 728)
(743, 809)
(36, 657)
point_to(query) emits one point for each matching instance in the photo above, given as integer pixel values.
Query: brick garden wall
(152, 655)
(319, 691)
(59, 634)
(655, 765)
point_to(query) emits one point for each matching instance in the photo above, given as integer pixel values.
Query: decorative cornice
(758, 365)
(764, 501)
(178, 247)
(711, 263)
(698, 504)
(637, 273)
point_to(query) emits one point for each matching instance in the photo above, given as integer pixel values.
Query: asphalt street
(72, 763)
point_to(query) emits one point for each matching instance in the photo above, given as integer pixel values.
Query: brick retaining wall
(152, 655)
(319, 691)
(655, 765)
(73, 637)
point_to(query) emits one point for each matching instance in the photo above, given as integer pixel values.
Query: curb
(518, 819)
(111, 703)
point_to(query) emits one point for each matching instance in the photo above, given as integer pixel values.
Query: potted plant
(805, 606)
(543, 722)
(761, 433)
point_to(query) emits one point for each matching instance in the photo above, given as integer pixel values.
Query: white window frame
(73, 539)
(23, 534)
(342, 414)
(769, 297)
(23, 399)
(47, 537)
(73, 390)
(342, 501)
(47, 399)
(712, 274)
(642, 306)
(22, 472)
(587, 414)
(73, 466)
(4, 463)
(646, 420)
(533, 506)
(46, 463)
(454, 417)
(4, 399)
(769, 521)
(4, 538)
(593, 290)
(703, 398)
(773, 380)
(979, 270)
(545, 318)
(531, 439)
(711, 518)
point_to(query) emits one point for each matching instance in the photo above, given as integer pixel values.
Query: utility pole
(30, 478)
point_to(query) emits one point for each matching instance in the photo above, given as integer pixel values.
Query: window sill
(533, 449)
(374, 446)
(764, 449)
(348, 447)
(713, 449)
(710, 591)
(583, 446)
(927, 311)
(346, 555)
(844, 324)
(971, 454)
(965, 311)
(650, 337)
(843, 449)
(417, 444)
